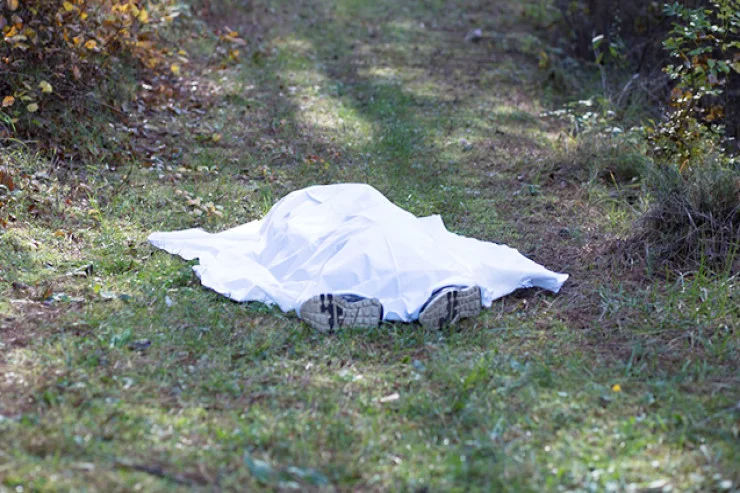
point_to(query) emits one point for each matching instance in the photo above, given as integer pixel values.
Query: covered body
(350, 239)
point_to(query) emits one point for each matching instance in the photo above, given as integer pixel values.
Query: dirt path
(138, 378)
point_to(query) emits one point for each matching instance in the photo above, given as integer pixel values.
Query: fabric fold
(350, 239)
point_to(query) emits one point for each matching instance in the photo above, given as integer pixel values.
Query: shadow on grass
(506, 408)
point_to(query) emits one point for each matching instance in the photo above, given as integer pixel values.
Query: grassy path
(136, 378)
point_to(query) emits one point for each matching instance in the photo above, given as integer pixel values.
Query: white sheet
(350, 239)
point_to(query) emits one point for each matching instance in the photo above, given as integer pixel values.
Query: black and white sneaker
(448, 305)
(328, 312)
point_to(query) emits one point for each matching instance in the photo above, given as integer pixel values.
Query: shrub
(58, 56)
(694, 220)
(703, 47)
(626, 38)
(687, 60)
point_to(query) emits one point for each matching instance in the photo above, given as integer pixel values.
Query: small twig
(106, 105)
(626, 88)
(124, 180)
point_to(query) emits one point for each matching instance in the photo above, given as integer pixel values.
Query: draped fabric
(350, 239)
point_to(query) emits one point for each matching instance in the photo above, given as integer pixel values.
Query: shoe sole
(449, 306)
(327, 313)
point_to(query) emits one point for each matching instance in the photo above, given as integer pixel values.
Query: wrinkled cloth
(350, 239)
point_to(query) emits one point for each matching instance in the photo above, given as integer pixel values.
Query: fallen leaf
(47, 293)
(45, 87)
(13, 5)
(175, 69)
(91, 44)
(6, 180)
(8, 101)
(32, 108)
(390, 398)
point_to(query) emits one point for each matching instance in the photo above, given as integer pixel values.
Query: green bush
(632, 41)
(704, 53)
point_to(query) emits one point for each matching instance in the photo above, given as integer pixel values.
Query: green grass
(242, 397)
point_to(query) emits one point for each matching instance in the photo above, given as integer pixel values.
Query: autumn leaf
(6, 179)
(8, 101)
(91, 44)
(45, 87)
(12, 5)
(175, 68)
(13, 32)
(68, 6)
(32, 108)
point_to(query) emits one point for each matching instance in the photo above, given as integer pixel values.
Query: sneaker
(328, 312)
(448, 305)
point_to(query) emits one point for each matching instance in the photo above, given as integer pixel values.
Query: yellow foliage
(67, 45)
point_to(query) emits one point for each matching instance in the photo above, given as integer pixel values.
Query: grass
(119, 372)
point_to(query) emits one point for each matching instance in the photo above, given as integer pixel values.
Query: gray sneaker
(448, 305)
(328, 312)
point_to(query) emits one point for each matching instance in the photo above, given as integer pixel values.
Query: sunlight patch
(388, 74)
(319, 104)
(296, 46)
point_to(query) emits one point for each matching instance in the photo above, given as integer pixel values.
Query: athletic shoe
(448, 305)
(328, 312)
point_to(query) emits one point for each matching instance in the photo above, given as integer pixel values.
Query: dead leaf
(8, 101)
(6, 179)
